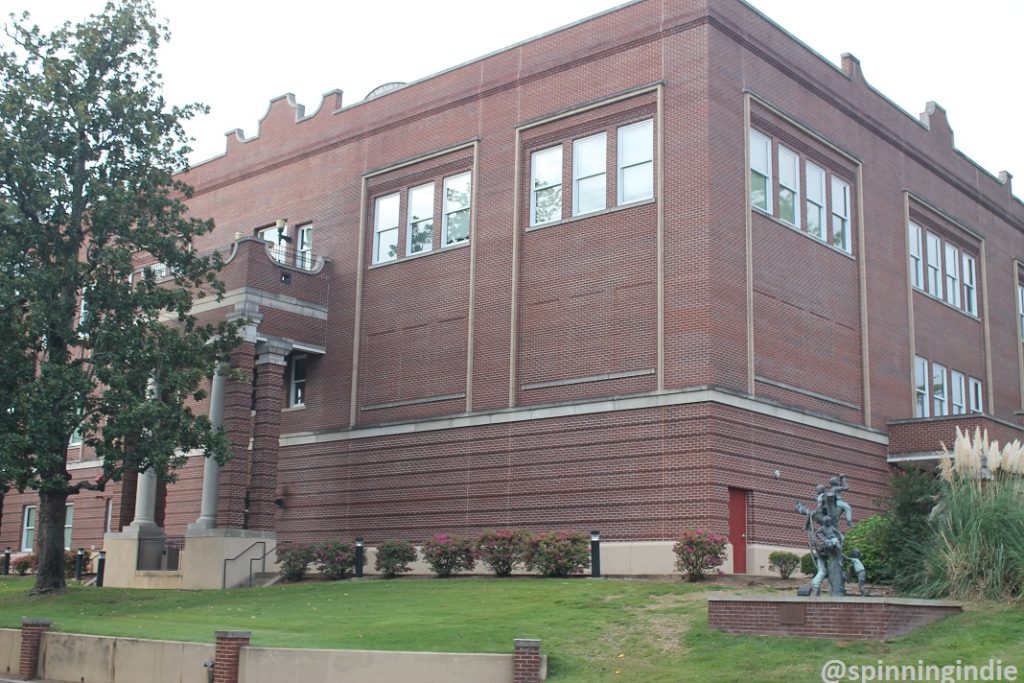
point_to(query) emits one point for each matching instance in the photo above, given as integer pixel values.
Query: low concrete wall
(10, 650)
(77, 658)
(277, 665)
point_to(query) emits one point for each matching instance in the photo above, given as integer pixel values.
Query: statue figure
(858, 568)
(825, 538)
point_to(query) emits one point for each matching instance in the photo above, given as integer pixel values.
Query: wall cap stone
(902, 602)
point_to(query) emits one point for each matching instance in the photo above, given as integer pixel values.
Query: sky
(236, 56)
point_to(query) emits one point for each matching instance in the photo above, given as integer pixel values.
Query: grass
(612, 630)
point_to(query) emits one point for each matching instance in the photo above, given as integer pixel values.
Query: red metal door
(738, 529)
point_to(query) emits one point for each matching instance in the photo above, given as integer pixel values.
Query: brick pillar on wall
(226, 654)
(234, 476)
(526, 661)
(32, 631)
(270, 366)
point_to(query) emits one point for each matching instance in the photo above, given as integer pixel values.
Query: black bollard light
(79, 559)
(100, 566)
(359, 557)
(5, 569)
(595, 554)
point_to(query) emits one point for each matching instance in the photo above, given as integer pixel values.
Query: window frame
(933, 264)
(535, 189)
(304, 246)
(842, 216)
(758, 139)
(69, 523)
(792, 160)
(378, 230)
(915, 237)
(1020, 310)
(26, 529)
(412, 223)
(295, 401)
(975, 397)
(969, 265)
(622, 168)
(940, 399)
(108, 515)
(951, 262)
(279, 251)
(819, 203)
(922, 390)
(447, 214)
(577, 178)
(957, 393)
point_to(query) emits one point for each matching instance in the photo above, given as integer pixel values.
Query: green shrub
(912, 496)
(335, 560)
(699, 551)
(783, 562)
(808, 567)
(23, 564)
(393, 558)
(872, 537)
(502, 551)
(294, 560)
(558, 553)
(447, 556)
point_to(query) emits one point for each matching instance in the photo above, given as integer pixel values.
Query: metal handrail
(224, 576)
(262, 558)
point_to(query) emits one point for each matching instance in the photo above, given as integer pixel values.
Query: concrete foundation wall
(273, 665)
(10, 650)
(76, 658)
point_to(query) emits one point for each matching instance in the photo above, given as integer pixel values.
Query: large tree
(91, 343)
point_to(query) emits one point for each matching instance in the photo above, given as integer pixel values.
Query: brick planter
(851, 618)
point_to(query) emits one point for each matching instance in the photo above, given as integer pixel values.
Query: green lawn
(611, 630)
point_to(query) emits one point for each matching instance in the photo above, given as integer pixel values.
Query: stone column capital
(272, 352)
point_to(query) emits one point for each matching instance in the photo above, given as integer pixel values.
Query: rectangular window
(69, 516)
(108, 516)
(636, 162)
(28, 528)
(546, 186)
(421, 219)
(385, 228)
(958, 392)
(952, 275)
(920, 387)
(1020, 308)
(938, 390)
(760, 171)
(76, 438)
(970, 285)
(841, 215)
(815, 201)
(297, 380)
(974, 394)
(789, 187)
(275, 235)
(916, 256)
(933, 283)
(304, 247)
(457, 200)
(589, 161)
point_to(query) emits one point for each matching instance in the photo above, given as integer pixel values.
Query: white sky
(236, 56)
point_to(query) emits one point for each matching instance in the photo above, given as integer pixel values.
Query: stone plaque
(792, 614)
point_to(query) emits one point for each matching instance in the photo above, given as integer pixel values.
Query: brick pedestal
(526, 661)
(32, 631)
(225, 659)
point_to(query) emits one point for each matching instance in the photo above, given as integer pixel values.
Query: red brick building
(662, 268)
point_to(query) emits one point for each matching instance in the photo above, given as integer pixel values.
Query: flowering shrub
(502, 550)
(294, 560)
(393, 558)
(698, 551)
(448, 556)
(558, 553)
(335, 560)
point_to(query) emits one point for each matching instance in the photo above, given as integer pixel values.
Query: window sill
(292, 409)
(592, 214)
(945, 303)
(412, 257)
(779, 221)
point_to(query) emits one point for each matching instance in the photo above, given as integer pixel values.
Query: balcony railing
(160, 554)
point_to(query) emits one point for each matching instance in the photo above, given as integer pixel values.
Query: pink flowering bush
(502, 550)
(698, 551)
(335, 560)
(558, 553)
(447, 555)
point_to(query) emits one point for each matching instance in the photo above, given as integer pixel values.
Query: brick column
(270, 365)
(32, 631)
(234, 476)
(526, 661)
(225, 658)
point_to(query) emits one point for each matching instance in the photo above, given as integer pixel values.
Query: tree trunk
(50, 568)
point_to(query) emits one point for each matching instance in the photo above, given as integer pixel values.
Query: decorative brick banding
(851, 618)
